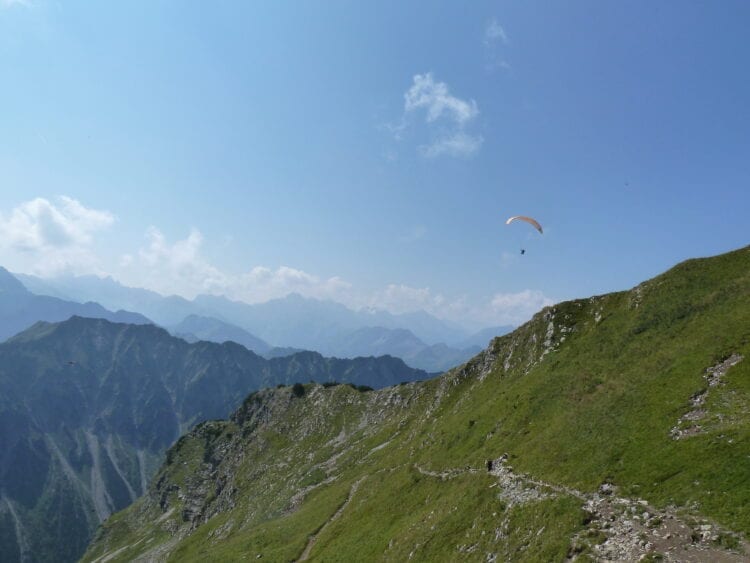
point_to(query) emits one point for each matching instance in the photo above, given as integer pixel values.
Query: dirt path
(311, 542)
(618, 528)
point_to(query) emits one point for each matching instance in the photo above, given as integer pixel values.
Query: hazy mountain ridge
(88, 408)
(214, 330)
(270, 321)
(584, 412)
(19, 308)
(292, 322)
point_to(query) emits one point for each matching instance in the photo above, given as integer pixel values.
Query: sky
(370, 153)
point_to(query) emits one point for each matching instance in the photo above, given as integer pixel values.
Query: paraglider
(533, 222)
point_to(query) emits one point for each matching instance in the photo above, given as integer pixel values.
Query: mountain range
(613, 428)
(291, 323)
(88, 408)
(20, 308)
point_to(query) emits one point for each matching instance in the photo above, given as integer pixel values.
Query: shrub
(298, 390)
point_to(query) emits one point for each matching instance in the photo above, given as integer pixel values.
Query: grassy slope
(598, 406)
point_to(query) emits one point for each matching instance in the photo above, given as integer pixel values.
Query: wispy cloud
(458, 144)
(446, 118)
(436, 98)
(495, 38)
(494, 33)
(417, 232)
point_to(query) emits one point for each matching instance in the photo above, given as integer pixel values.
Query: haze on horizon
(370, 154)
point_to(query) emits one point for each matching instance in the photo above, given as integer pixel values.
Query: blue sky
(370, 153)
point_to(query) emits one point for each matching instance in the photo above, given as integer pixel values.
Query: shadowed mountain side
(88, 407)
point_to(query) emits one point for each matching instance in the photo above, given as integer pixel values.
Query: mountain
(441, 357)
(88, 408)
(362, 342)
(315, 324)
(369, 341)
(281, 352)
(214, 330)
(613, 428)
(166, 311)
(402, 343)
(293, 320)
(19, 308)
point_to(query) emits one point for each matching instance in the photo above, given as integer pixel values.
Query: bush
(298, 390)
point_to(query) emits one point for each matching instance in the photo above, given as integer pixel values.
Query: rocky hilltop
(609, 428)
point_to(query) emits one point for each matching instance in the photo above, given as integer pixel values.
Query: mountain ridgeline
(88, 408)
(609, 428)
(280, 326)
(19, 308)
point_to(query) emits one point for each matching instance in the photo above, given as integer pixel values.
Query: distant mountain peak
(9, 284)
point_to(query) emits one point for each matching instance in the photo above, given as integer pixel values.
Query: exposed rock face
(689, 423)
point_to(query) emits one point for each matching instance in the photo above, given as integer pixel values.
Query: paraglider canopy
(529, 220)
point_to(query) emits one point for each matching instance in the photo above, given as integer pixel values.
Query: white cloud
(494, 32)
(446, 118)
(172, 268)
(437, 100)
(52, 237)
(459, 144)
(181, 268)
(39, 224)
(502, 308)
(262, 283)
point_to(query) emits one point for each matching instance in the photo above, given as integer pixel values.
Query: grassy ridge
(587, 392)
